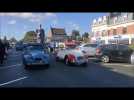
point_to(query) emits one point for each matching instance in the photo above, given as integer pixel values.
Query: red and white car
(71, 56)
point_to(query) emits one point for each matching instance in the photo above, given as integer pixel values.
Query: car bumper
(37, 63)
(79, 62)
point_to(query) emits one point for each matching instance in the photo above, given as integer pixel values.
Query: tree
(30, 37)
(75, 34)
(13, 40)
(85, 37)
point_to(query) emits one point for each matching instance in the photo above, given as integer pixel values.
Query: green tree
(85, 37)
(75, 34)
(30, 36)
(12, 40)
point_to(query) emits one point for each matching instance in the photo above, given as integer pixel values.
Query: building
(116, 27)
(56, 36)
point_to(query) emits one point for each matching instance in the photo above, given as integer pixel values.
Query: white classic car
(71, 56)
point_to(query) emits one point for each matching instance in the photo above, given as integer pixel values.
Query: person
(2, 52)
(6, 46)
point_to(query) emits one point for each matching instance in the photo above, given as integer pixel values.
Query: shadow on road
(37, 68)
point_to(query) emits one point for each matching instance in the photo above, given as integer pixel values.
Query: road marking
(10, 66)
(121, 65)
(115, 70)
(13, 81)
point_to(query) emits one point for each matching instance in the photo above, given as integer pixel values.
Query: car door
(124, 52)
(113, 51)
(88, 48)
(85, 48)
(92, 49)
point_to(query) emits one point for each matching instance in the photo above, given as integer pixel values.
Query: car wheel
(131, 61)
(105, 59)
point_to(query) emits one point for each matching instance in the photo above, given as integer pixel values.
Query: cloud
(55, 22)
(32, 17)
(12, 22)
(76, 26)
(21, 15)
(73, 25)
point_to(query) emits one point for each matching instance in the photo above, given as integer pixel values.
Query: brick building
(106, 29)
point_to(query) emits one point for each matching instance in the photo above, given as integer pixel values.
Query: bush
(131, 46)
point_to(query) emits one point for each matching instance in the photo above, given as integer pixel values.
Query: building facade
(56, 36)
(114, 27)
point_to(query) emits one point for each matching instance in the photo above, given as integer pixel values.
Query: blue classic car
(35, 54)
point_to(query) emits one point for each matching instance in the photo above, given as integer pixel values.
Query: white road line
(122, 65)
(10, 66)
(13, 81)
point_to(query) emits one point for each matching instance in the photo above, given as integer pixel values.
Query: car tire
(131, 60)
(105, 59)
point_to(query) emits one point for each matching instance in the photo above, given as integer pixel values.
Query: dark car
(114, 52)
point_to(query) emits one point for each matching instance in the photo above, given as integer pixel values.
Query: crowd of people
(4, 46)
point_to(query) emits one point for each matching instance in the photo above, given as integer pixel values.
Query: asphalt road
(95, 74)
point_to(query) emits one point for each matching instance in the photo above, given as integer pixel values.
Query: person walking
(2, 52)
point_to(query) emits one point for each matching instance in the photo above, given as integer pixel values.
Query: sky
(17, 24)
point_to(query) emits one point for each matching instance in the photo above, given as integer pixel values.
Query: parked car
(71, 56)
(89, 49)
(114, 52)
(34, 54)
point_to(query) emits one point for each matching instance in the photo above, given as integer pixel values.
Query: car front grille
(38, 59)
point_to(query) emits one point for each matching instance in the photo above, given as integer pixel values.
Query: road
(95, 74)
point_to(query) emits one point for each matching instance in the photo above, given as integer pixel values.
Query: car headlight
(29, 57)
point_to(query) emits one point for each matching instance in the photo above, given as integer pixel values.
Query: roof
(58, 31)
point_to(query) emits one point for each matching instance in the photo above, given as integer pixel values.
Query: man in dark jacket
(2, 52)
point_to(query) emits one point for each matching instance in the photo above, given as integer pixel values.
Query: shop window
(114, 32)
(124, 30)
(108, 32)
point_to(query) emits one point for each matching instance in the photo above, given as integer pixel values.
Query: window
(87, 45)
(124, 30)
(108, 32)
(114, 32)
(90, 45)
(93, 45)
(123, 47)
